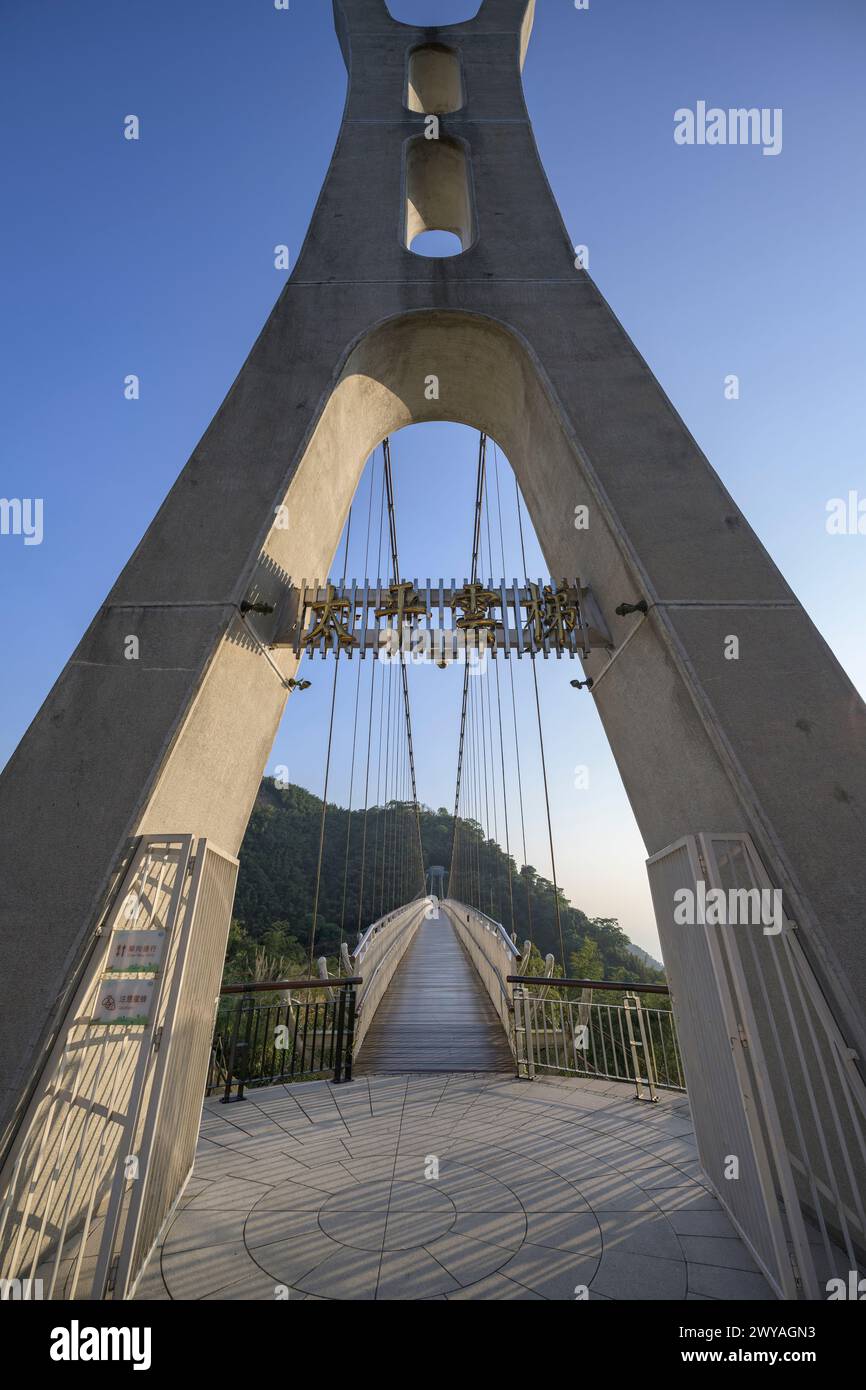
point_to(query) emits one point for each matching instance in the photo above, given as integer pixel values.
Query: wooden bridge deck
(435, 1015)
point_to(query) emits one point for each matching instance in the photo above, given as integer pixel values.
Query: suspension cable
(397, 771)
(483, 848)
(543, 759)
(328, 767)
(374, 664)
(499, 695)
(392, 526)
(383, 815)
(472, 798)
(355, 720)
(482, 732)
(517, 759)
(487, 727)
(476, 539)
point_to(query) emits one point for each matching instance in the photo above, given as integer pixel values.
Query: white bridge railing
(492, 952)
(616, 1036)
(549, 1032)
(377, 956)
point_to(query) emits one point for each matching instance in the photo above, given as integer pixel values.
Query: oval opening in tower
(438, 195)
(434, 83)
(436, 245)
(433, 13)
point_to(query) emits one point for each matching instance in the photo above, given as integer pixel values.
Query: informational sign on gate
(139, 951)
(124, 1002)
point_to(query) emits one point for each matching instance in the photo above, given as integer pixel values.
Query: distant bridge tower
(436, 877)
(513, 338)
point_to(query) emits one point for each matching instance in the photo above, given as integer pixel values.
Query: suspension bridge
(436, 1016)
(433, 1014)
(438, 1108)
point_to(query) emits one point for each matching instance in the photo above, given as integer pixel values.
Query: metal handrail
(263, 986)
(624, 986)
(245, 1049)
(506, 939)
(376, 927)
(491, 921)
(388, 950)
(501, 980)
(619, 1041)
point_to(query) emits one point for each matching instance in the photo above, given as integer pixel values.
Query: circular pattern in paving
(558, 1195)
(378, 1238)
(388, 1216)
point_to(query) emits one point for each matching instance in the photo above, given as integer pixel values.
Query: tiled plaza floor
(322, 1191)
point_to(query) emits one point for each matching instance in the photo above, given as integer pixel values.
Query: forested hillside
(276, 889)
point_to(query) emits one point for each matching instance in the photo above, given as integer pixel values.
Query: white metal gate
(163, 1133)
(109, 1135)
(770, 1080)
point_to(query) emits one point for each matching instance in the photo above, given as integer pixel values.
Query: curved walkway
(436, 1014)
(431, 1187)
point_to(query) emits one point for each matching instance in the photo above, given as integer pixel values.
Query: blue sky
(156, 258)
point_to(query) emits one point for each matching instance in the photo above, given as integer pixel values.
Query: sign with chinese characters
(533, 618)
(138, 951)
(124, 1002)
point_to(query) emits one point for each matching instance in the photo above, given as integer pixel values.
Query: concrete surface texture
(367, 337)
(556, 1189)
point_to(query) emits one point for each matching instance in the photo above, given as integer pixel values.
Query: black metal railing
(300, 1030)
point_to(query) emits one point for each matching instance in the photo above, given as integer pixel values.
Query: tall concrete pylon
(511, 337)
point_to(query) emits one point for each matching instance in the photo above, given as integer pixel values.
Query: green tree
(586, 963)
